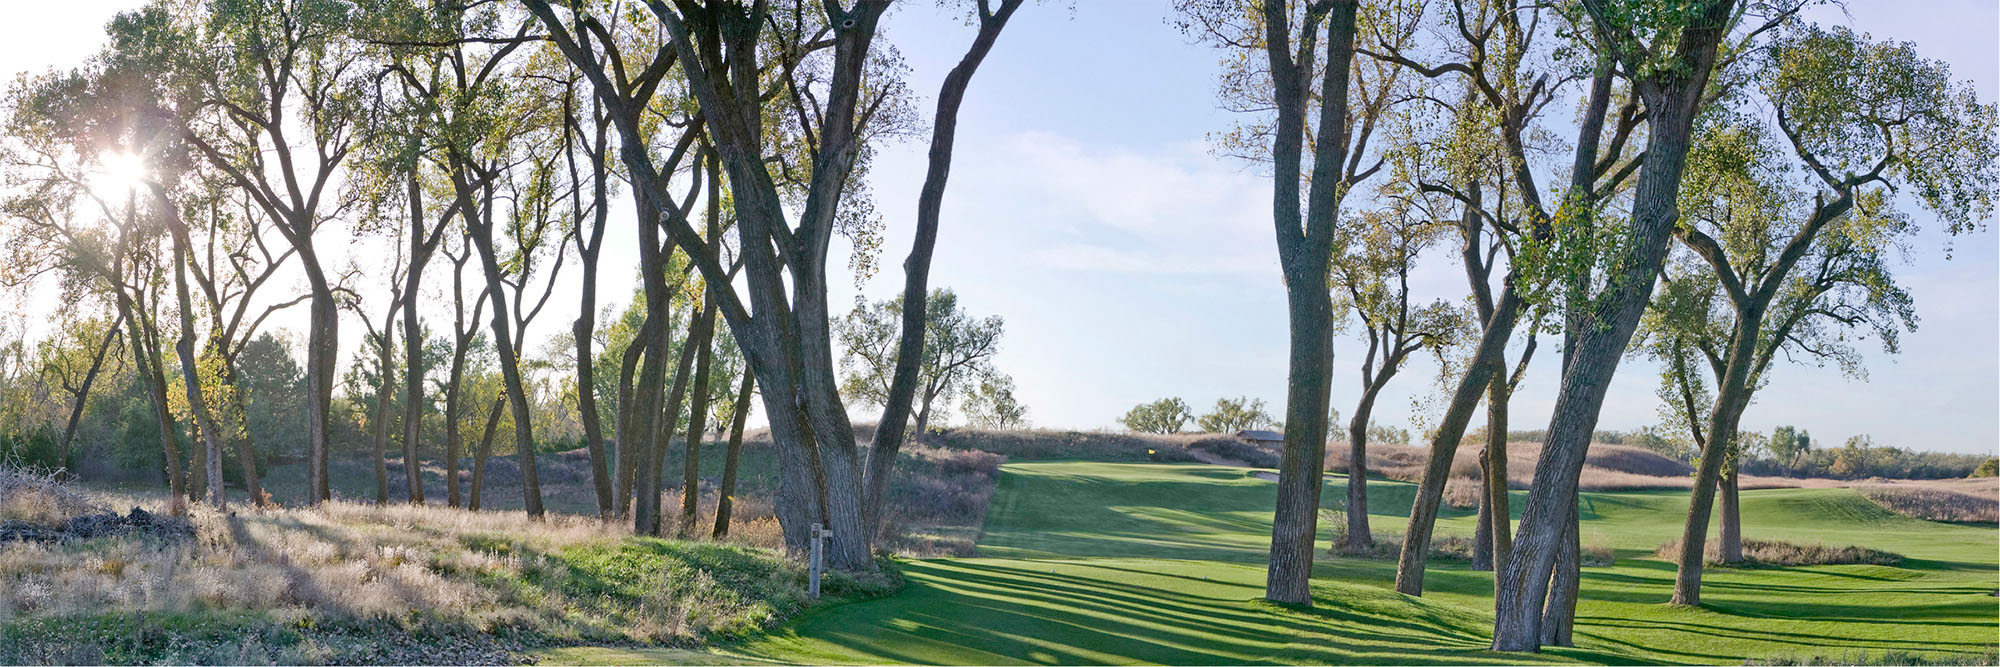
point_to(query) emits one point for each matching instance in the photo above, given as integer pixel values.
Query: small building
(1257, 437)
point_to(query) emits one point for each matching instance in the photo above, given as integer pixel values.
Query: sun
(118, 173)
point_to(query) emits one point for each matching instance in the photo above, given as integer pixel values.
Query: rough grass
(1788, 554)
(1935, 504)
(425, 572)
(1990, 657)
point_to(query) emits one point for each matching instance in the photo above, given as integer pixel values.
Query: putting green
(1103, 563)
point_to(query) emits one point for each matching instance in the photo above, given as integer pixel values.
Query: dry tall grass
(1933, 503)
(563, 579)
(1776, 552)
(39, 497)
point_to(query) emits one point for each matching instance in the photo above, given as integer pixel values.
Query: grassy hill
(1146, 563)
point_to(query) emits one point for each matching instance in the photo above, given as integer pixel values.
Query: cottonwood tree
(1789, 444)
(910, 379)
(445, 66)
(1669, 53)
(992, 405)
(1167, 415)
(1235, 414)
(535, 251)
(1370, 281)
(1502, 62)
(958, 358)
(1292, 65)
(626, 72)
(1863, 120)
(273, 96)
(839, 91)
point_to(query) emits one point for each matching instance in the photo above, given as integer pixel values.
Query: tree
(1776, 273)
(907, 377)
(1484, 160)
(957, 360)
(1789, 444)
(992, 405)
(1235, 414)
(283, 66)
(1167, 415)
(1270, 70)
(1371, 282)
(1670, 56)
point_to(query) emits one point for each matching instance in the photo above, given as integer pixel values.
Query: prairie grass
(429, 571)
(1789, 554)
(1932, 503)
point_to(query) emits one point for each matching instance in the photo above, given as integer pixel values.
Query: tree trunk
(1358, 537)
(697, 425)
(146, 360)
(510, 368)
(1715, 455)
(453, 390)
(889, 434)
(586, 382)
(485, 451)
(1486, 364)
(629, 447)
(1498, 394)
(83, 391)
(322, 355)
(588, 246)
(646, 518)
(384, 399)
(1732, 518)
(1601, 343)
(1559, 613)
(725, 496)
(204, 421)
(1295, 522)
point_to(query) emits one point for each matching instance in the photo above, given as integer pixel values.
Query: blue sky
(1130, 264)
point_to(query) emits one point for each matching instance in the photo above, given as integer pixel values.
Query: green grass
(1131, 563)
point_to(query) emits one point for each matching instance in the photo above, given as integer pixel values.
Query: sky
(1130, 263)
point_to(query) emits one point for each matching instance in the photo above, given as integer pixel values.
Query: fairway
(1106, 563)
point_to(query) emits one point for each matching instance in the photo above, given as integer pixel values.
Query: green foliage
(1789, 443)
(1235, 414)
(35, 449)
(1167, 415)
(957, 366)
(1987, 468)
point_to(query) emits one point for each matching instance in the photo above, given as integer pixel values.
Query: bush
(34, 449)
(1988, 468)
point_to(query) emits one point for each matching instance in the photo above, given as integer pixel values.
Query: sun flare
(118, 173)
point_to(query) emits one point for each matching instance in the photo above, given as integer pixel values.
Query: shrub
(1987, 468)
(1776, 552)
(35, 449)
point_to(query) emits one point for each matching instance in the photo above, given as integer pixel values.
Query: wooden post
(817, 561)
